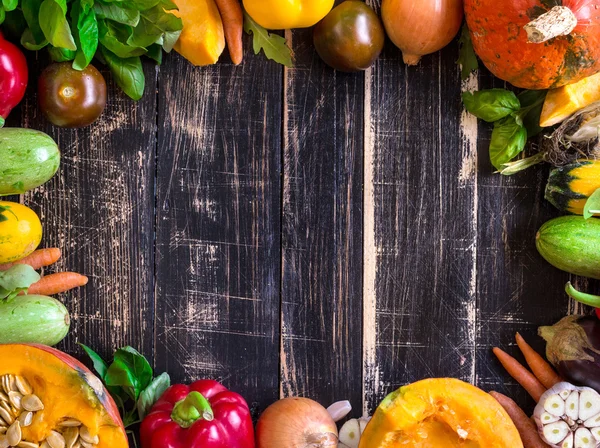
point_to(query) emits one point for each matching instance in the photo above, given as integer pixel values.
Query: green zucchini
(28, 159)
(33, 319)
(571, 243)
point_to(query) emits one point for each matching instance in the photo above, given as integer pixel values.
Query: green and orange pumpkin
(536, 44)
(47, 397)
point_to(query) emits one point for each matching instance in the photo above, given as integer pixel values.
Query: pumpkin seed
(6, 383)
(26, 418)
(71, 422)
(44, 445)
(23, 385)
(12, 383)
(71, 435)
(55, 440)
(85, 435)
(6, 406)
(77, 445)
(85, 444)
(24, 444)
(15, 399)
(4, 442)
(6, 416)
(3, 396)
(14, 434)
(32, 402)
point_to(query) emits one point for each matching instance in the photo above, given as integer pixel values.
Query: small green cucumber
(33, 319)
(571, 243)
(28, 159)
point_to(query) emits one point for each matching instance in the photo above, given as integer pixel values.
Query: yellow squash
(203, 39)
(563, 102)
(570, 186)
(20, 231)
(440, 413)
(287, 14)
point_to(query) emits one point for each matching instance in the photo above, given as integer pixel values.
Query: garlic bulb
(569, 417)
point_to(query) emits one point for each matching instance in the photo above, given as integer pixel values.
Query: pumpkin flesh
(68, 391)
(501, 43)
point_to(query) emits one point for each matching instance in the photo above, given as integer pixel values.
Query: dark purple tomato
(350, 38)
(71, 98)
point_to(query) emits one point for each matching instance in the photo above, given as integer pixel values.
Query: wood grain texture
(321, 229)
(218, 224)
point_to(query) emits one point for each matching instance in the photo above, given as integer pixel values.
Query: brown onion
(296, 423)
(421, 27)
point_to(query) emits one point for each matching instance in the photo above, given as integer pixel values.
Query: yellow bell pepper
(287, 14)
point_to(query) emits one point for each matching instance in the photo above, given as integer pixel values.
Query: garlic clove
(589, 404)
(363, 422)
(339, 410)
(596, 433)
(564, 394)
(568, 442)
(555, 405)
(584, 439)
(572, 405)
(350, 433)
(592, 422)
(555, 433)
(548, 418)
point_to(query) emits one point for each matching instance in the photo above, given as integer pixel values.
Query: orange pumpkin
(567, 40)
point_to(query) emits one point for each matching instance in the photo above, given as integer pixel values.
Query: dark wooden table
(299, 231)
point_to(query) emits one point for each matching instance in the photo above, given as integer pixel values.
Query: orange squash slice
(563, 102)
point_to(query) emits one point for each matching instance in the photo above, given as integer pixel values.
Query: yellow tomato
(287, 14)
(20, 231)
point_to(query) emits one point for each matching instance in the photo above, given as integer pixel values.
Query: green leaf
(114, 37)
(2, 15)
(128, 73)
(156, 24)
(61, 54)
(152, 393)
(117, 12)
(155, 52)
(129, 370)
(274, 46)
(142, 5)
(532, 103)
(508, 141)
(16, 280)
(14, 25)
(54, 24)
(28, 41)
(10, 5)
(592, 205)
(467, 59)
(31, 11)
(86, 34)
(99, 364)
(582, 297)
(491, 105)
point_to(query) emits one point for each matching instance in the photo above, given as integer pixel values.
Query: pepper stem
(192, 408)
(559, 21)
(2, 121)
(582, 297)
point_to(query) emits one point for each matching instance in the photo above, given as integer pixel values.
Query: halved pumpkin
(49, 398)
(440, 413)
(564, 101)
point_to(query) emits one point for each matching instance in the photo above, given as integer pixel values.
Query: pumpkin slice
(202, 40)
(444, 413)
(48, 398)
(563, 102)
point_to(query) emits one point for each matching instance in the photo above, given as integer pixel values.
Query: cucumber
(33, 319)
(571, 243)
(28, 159)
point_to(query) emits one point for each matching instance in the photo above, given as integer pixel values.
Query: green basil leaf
(61, 54)
(31, 11)
(17, 279)
(467, 59)
(592, 205)
(117, 12)
(28, 41)
(491, 105)
(86, 34)
(155, 52)
(54, 24)
(129, 370)
(508, 140)
(152, 393)
(142, 5)
(99, 364)
(532, 103)
(10, 5)
(274, 46)
(86, 5)
(128, 73)
(114, 37)
(155, 24)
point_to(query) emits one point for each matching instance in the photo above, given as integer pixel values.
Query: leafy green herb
(491, 105)
(467, 59)
(61, 54)
(31, 12)
(152, 393)
(592, 205)
(128, 73)
(532, 102)
(10, 5)
(54, 24)
(16, 280)
(117, 13)
(508, 140)
(273, 45)
(129, 370)
(99, 365)
(85, 26)
(2, 15)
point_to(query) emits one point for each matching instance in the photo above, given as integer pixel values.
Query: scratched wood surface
(299, 231)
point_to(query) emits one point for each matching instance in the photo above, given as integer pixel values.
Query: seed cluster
(18, 406)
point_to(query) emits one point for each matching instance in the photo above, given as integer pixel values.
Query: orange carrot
(523, 376)
(233, 23)
(538, 365)
(527, 429)
(37, 259)
(56, 283)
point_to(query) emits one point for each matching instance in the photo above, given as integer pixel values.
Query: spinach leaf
(61, 54)
(86, 34)
(491, 105)
(128, 73)
(54, 24)
(31, 11)
(508, 140)
(155, 51)
(273, 45)
(16, 280)
(10, 5)
(152, 393)
(592, 205)
(129, 370)
(467, 59)
(28, 41)
(114, 37)
(117, 12)
(154, 25)
(99, 364)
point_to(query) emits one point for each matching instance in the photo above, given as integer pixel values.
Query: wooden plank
(218, 221)
(420, 239)
(322, 222)
(99, 210)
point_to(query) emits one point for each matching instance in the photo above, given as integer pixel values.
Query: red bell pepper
(202, 415)
(13, 77)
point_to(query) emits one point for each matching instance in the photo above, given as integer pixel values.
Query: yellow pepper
(287, 14)
(20, 231)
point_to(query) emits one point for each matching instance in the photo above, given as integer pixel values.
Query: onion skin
(296, 423)
(421, 27)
